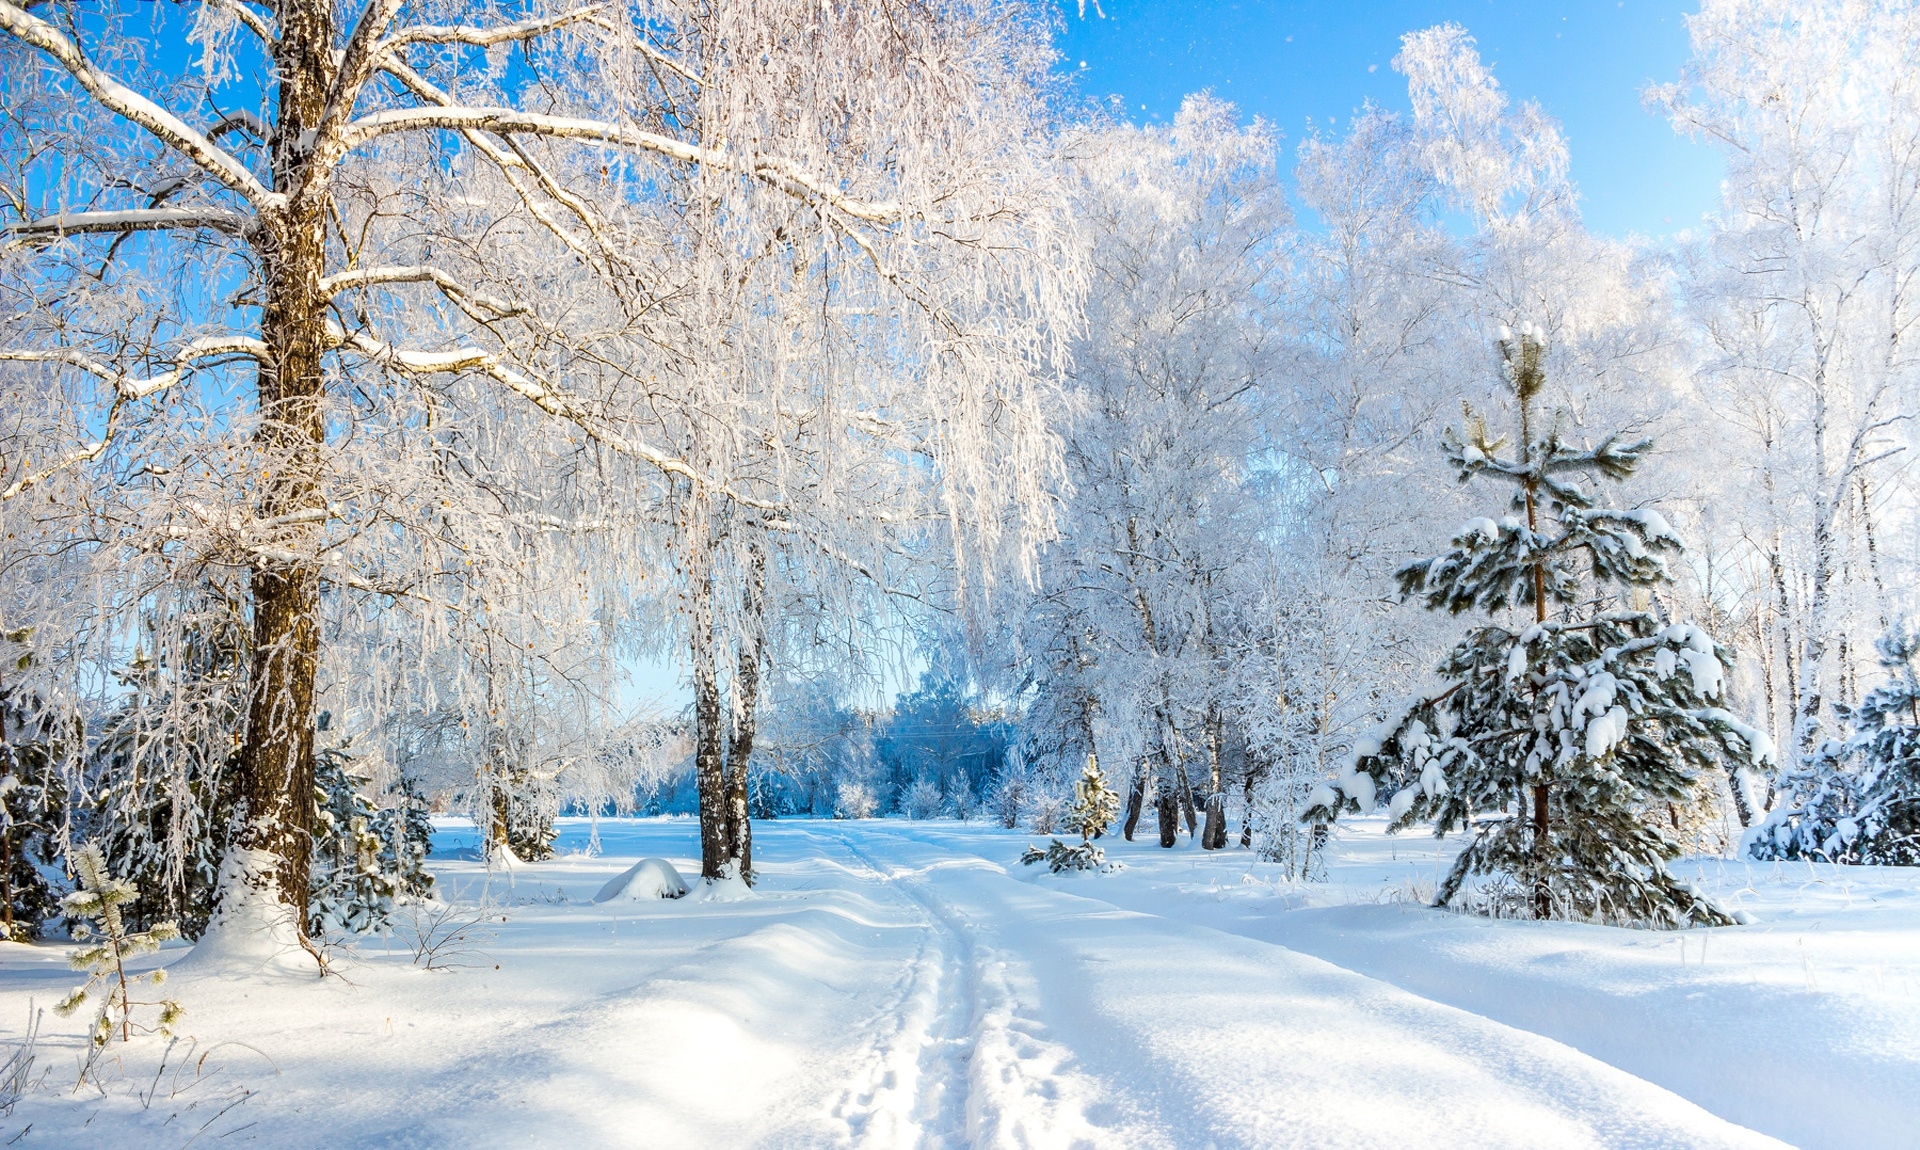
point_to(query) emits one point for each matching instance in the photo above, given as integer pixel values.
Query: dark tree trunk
(1136, 798)
(1542, 855)
(1167, 805)
(746, 688)
(1246, 791)
(1214, 836)
(1187, 811)
(275, 764)
(708, 767)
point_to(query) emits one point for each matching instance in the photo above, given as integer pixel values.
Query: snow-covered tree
(1552, 741)
(386, 268)
(1129, 639)
(1858, 800)
(1094, 802)
(1804, 293)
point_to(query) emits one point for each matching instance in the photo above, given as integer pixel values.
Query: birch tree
(1804, 296)
(379, 153)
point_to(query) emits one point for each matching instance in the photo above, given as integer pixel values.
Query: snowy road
(909, 985)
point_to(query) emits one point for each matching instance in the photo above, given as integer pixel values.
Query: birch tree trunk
(746, 700)
(708, 765)
(1215, 835)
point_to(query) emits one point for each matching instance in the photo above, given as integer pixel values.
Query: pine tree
(98, 904)
(1859, 799)
(1553, 740)
(364, 858)
(1095, 803)
(33, 807)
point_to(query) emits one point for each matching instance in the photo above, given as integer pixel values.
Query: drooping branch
(547, 397)
(116, 97)
(252, 20)
(126, 388)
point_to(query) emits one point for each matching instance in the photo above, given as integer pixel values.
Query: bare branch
(163, 125)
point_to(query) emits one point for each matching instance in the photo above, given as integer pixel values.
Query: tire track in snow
(987, 1075)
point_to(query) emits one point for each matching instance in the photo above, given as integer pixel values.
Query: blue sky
(1297, 62)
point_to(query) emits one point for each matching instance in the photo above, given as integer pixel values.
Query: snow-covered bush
(1009, 797)
(853, 800)
(923, 799)
(1281, 834)
(962, 803)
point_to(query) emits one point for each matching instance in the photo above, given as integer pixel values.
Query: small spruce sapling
(1554, 740)
(1095, 806)
(97, 903)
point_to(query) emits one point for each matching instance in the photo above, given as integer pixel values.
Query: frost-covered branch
(486, 37)
(131, 220)
(117, 97)
(128, 386)
(508, 121)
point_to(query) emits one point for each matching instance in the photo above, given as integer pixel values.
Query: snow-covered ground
(909, 984)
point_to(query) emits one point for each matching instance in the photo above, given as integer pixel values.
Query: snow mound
(731, 888)
(252, 932)
(648, 878)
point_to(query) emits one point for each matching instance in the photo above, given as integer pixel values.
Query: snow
(648, 878)
(889, 983)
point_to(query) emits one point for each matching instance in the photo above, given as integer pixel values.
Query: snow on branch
(508, 121)
(547, 398)
(129, 387)
(356, 65)
(163, 125)
(412, 273)
(132, 220)
(486, 37)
